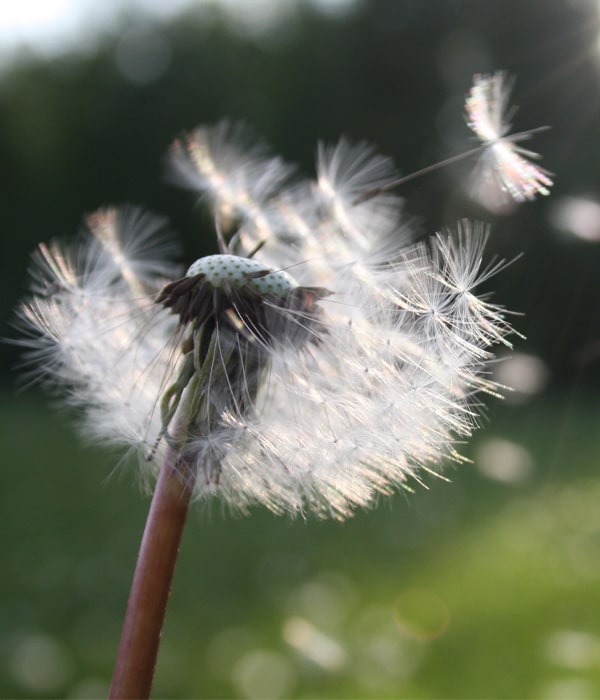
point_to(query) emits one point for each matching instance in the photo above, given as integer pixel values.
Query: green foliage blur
(479, 588)
(488, 586)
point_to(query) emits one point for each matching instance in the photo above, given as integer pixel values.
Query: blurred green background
(488, 586)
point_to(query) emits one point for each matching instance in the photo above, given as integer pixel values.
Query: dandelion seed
(232, 169)
(505, 172)
(504, 164)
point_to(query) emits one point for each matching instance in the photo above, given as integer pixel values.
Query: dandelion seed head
(319, 361)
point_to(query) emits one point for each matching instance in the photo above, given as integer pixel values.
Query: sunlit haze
(49, 26)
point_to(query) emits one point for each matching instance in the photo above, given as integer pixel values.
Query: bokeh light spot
(40, 663)
(421, 614)
(578, 216)
(313, 644)
(567, 689)
(227, 647)
(142, 56)
(503, 460)
(573, 649)
(263, 674)
(383, 654)
(526, 375)
(325, 600)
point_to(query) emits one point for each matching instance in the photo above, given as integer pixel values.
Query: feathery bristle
(335, 364)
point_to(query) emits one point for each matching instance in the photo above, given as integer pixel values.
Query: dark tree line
(76, 132)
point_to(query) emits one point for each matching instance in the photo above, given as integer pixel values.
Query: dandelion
(503, 163)
(318, 361)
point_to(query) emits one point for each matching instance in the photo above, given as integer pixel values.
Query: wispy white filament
(378, 393)
(506, 164)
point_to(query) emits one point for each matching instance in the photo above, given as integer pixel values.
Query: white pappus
(319, 360)
(506, 169)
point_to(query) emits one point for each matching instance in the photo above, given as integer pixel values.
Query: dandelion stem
(140, 638)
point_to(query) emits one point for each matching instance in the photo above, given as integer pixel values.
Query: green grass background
(474, 588)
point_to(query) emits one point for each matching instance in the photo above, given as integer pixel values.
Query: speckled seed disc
(239, 272)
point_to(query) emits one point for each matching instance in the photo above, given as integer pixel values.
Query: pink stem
(140, 638)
